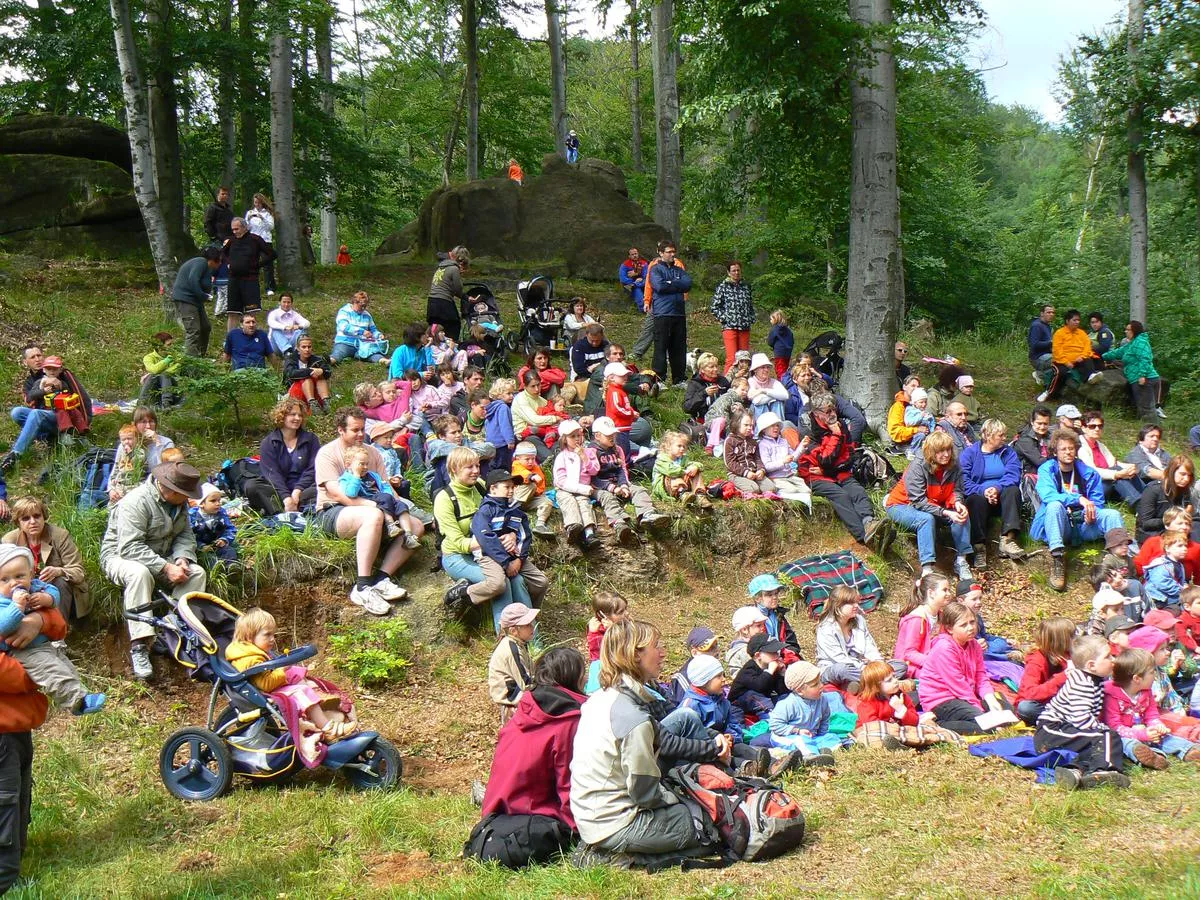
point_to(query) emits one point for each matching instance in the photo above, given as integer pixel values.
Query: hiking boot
(1010, 549)
(586, 856)
(1112, 778)
(542, 530)
(1058, 571)
(590, 542)
(749, 769)
(370, 600)
(650, 519)
(139, 655)
(1192, 755)
(891, 743)
(457, 598)
(686, 497)
(786, 762)
(871, 526)
(1094, 377)
(574, 534)
(1147, 757)
(979, 552)
(478, 789)
(1043, 396)
(7, 461)
(823, 760)
(702, 500)
(1067, 779)
(625, 535)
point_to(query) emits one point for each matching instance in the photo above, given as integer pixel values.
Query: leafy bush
(216, 388)
(375, 652)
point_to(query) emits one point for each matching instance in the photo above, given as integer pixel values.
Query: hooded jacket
(495, 517)
(498, 425)
(953, 671)
(289, 471)
(1031, 449)
(244, 654)
(741, 455)
(631, 273)
(696, 399)
(933, 490)
(733, 305)
(717, 713)
(896, 429)
(531, 768)
(447, 286)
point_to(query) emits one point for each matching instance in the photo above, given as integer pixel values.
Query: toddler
(1045, 667)
(779, 460)
(672, 479)
(919, 621)
(427, 400)
(733, 401)
(800, 720)
(887, 717)
(746, 469)
(954, 683)
(767, 393)
(781, 341)
(917, 414)
(445, 350)
(510, 668)
(1165, 576)
(1171, 708)
(759, 684)
(706, 697)
(498, 423)
(383, 439)
(747, 622)
(214, 530)
(1130, 710)
(359, 481)
(1109, 600)
(613, 487)
(617, 406)
(46, 665)
(1187, 628)
(574, 467)
(497, 518)
(531, 490)
(129, 464)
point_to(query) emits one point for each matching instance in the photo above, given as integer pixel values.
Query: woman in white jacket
(845, 644)
(260, 219)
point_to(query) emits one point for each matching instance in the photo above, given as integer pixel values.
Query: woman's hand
(50, 573)
(30, 628)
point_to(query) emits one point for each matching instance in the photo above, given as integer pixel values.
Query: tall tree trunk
(1089, 193)
(225, 119)
(137, 124)
(324, 47)
(1139, 223)
(669, 187)
(362, 75)
(249, 110)
(164, 126)
(558, 76)
(283, 176)
(635, 88)
(452, 137)
(875, 271)
(471, 52)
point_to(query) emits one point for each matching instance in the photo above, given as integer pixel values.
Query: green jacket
(157, 364)
(146, 529)
(664, 468)
(1137, 358)
(456, 532)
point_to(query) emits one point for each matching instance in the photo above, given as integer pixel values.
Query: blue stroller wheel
(195, 765)
(378, 767)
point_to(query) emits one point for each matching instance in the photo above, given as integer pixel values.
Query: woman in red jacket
(1045, 667)
(531, 769)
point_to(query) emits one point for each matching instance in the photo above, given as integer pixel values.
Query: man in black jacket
(1032, 445)
(244, 252)
(37, 422)
(218, 218)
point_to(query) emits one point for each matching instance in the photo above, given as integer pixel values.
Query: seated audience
(285, 325)
(931, 493)
(57, 560)
(1121, 480)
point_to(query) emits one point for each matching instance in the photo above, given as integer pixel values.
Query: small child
(917, 414)
(1130, 710)
(448, 386)
(747, 622)
(1187, 628)
(800, 720)
(498, 424)
(672, 479)
(1071, 721)
(1110, 599)
(781, 341)
(954, 683)
(745, 465)
(1165, 576)
(383, 439)
(445, 350)
(1045, 667)
(1117, 631)
(325, 714)
(214, 530)
(965, 395)
(701, 640)
(510, 668)
(531, 490)
(427, 400)
(724, 408)
(759, 683)
(574, 467)
(767, 591)
(359, 481)
(767, 393)
(779, 460)
(607, 607)
(887, 717)
(474, 414)
(45, 663)
(1171, 707)
(919, 621)
(706, 697)
(498, 516)
(613, 487)
(617, 406)
(129, 464)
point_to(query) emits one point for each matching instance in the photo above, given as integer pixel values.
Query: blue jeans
(1059, 526)
(925, 525)
(1029, 710)
(1169, 745)
(685, 723)
(461, 565)
(572, 155)
(350, 351)
(35, 424)
(1128, 489)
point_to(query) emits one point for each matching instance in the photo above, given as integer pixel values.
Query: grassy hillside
(940, 823)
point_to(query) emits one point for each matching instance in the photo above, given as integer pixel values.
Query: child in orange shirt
(531, 493)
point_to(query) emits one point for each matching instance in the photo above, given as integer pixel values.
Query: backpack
(243, 478)
(93, 471)
(754, 820)
(518, 841)
(871, 468)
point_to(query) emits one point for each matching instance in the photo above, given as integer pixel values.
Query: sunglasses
(901, 350)
(1095, 425)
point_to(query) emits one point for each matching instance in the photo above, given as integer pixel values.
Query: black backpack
(243, 478)
(871, 468)
(518, 841)
(93, 471)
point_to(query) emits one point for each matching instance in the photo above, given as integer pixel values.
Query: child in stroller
(541, 320)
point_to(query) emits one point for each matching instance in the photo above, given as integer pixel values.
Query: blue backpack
(93, 471)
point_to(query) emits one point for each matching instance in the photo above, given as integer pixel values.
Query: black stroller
(249, 737)
(827, 347)
(483, 329)
(541, 320)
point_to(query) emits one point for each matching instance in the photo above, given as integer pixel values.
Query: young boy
(497, 517)
(1118, 553)
(1129, 708)
(129, 465)
(498, 424)
(800, 721)
(613, 487)
(383, 437)
(747, 622)
(705, 695)
(1165, 576)
(214, 530)
(767, 591)
(1187, 628)
(701, 641)
(359, 481)
(1071, 721)
(759, 683)
(47, 665)
(917, 414)
(531, 489)
(1117, 631)
(510, 668)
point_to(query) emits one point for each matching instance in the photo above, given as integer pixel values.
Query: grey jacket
(144, 528)
(447, 282)
(833, 648)
(193, 283)
(1140, 458)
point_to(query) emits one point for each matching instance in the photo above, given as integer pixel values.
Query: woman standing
(733, 307)
(446, 291)
(1137, 359)
(260, 219)
(287, 459)
(56, 558)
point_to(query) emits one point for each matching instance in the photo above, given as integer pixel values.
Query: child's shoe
(823, 760)
(574, 534)
(785, 762)
(411, 540)
(702, 500)
(651, 519)
(1192, 755)
(542, 530)
(625, 535)
(1147, 757)
(1113, 778)
(394, 529)
(590, 542)
(89, 703)
(1067, 779)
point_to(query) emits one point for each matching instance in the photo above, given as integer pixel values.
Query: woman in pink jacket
(573, 470)
(919, 621)
(954, 683)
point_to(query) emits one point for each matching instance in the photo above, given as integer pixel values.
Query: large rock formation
(65, 188)
(581, 214)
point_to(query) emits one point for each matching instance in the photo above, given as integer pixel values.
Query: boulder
(66, 136)
(1109, 392)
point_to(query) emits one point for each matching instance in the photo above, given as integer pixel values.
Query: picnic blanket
(817, 576)
(1020, 752)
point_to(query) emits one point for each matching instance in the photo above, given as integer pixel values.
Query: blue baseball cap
(761, 583)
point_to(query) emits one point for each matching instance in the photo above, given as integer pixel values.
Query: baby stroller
(541, 321)
(827, 347)
(249, 736)
(483, 329)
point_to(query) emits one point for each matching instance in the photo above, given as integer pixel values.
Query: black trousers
(850, 503)
(1008, 509)
(1099, 749)
(1059, 372)
(16, 799)
(1146, 398)
(670, 343)
(958, 716)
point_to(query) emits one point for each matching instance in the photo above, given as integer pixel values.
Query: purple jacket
(289, 471)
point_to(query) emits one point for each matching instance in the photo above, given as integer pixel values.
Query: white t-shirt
(331, 463)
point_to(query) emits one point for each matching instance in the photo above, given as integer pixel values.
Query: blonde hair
(706, 359)
(172, 454)
(1175, 514)
(672, 439)
(459, 458)
(778, 318)
(619, 650)
(502, 386)
(251, 622)
(350, 454)
(27, 506)
(740, 382)
(128, 430)
(935, 444)
(362, 393)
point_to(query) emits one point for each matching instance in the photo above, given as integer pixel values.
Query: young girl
(1165, 576)
(498, 422)
(445, 351)
(607, 608)
(887, 717)
(916, 415)
(727, 405)
(426, 401)
(800, 721)
(129, 465)
(573, 470)
(1045, 667)
(954, 683)
(768, 592)
(575, 319)
(746, 469)
(747, 622)
(1130, 710)
(767, 393)
(448, 384)
(779, 459)
(1171, 708)
(510, 667)
(965, 395)
(919, 620)
(844, 643)
(315, 710)
(672, 479)
(781, 341)
(617, 405)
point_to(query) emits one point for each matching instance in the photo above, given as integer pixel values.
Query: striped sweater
(1078, 702)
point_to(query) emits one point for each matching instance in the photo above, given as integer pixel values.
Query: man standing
(633, 278)
(218, 218)
(149, 541)
(669, 284)
(247, 347)
(245, 253)
(1041, 342)
(359, 517)
(190, 292)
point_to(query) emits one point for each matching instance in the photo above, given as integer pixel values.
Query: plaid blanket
(817, 576)
(872, 735)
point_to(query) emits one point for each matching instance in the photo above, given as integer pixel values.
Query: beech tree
(470, 25)
(558, 76)
(668, 191)
(324, 52)
(1139, 221)
(283, 174)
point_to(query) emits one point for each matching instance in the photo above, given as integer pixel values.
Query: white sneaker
(1158, 410)
(1043, 396)
(371, 600)
(270, 293)
(1094, 377)
(389, 590)
(393, 529)
(139, 655)
(1037, 379)
(962, 570)
(411, 541)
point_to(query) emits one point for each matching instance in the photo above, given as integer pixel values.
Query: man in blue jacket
(1041, 341)
(668, 284)
(633, 276)
(1072, 507)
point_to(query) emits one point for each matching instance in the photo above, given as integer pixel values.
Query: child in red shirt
(617, 405)
(1045, 667)
(607, 607)
(887, 717)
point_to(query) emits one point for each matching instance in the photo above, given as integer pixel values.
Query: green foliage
(214, 387)
(372, 652)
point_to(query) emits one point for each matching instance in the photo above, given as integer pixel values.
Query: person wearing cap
(747, 621)
(759, 683)
(148, 542)
(617, 406)
(61, 394)
(800, 720)
(510, 668)
(733, 306)
(767, 393)
(768, 592)
(826, 467)
(1069, 417)
(844, 642)
(1072, 505)
(668, 283)
(640, 386)
(214, 530)
(991, 481)
(1109, 600)
(1117, 631)
(701, 641)
(632, 275)
(705, 694)
(1172, 708)
(1071, 356)
(918, 417)
(574, 467)
(779, 459)
(955, 424)
(965, 394)
(572, 147)
(613, 487)
(307, 374)
(530, 491)
(501, 528)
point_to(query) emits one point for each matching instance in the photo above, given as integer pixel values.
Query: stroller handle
(308, 651)
(138, 612)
